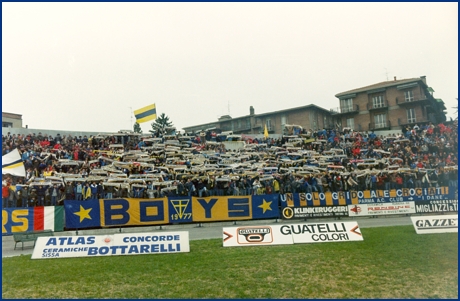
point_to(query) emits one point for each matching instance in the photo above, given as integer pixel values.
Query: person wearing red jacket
(45, 143)
(356, 151)
(5, 194)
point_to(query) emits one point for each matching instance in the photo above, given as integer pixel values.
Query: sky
(86, 66)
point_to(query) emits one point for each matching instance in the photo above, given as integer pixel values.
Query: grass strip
(391, 262)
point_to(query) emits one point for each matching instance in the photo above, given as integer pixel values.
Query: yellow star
(83, 213)
(265, 206)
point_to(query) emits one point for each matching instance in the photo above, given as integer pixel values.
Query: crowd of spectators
(417, 157)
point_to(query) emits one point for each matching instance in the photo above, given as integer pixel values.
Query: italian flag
(49, 218)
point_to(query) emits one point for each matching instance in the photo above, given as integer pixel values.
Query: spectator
(5, 194)
(86, 191)
(79, 191)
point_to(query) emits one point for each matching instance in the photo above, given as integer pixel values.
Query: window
(409, 95)
(351, 123)
(377, 102)
(283, 120)
(411, 115)
(7, 124)
(380, 121)
(269, 124)
(346, 105)
(238, 124)
(248, 123)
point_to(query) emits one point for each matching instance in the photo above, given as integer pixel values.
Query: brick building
(390, 105)
(309, 117)
(11, 120)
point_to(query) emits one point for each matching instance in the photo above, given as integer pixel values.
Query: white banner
(291, 234)
(323, 232)
(381, 209)
(255, 235)
(435, 223)
(109, 245)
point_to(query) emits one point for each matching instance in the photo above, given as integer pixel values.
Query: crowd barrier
(123, 212)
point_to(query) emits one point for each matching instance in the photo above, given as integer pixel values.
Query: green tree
(161, 123)
(137, 128)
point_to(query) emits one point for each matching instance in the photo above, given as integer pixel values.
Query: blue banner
(82, 214)
(265, 206)
(180, 209)
(366, 197)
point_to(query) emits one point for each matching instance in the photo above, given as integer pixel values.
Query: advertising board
(381, 209)
(436, 206)
(254, 236)
(291, 234)
(435, 224)
(109, 245)
(314, 212)
(323, 232)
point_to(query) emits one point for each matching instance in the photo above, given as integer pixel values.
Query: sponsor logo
(356, 209)
(387, 208)
(180, 207)
(428, 224)
(255, 235)
(312, 228)
(107, 245)
(327, 209)
(288, 213)
(437, 206)
(435, 224)
(317, 211)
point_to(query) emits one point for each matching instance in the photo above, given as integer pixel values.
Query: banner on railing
(232, 208)
(381, 209)
(436, 206)
(365, 197)
(146, 212)
(180, 209)
(314, 212)
(32, 219)
(116, 212)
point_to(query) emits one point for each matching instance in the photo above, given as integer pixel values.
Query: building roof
(379, 86)
(11, 115)
(310, 106)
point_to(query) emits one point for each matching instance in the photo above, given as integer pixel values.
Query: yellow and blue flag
(12, 164)
(146, 114)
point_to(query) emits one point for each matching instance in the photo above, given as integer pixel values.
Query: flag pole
(132, 124)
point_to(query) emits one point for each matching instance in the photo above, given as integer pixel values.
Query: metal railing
(379, 125)
(378, 105)
(404, 100)
(406, 121)
(344, 110)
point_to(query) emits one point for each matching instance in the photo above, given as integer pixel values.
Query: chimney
(423, 77)
(251, 110)
(395, 78)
